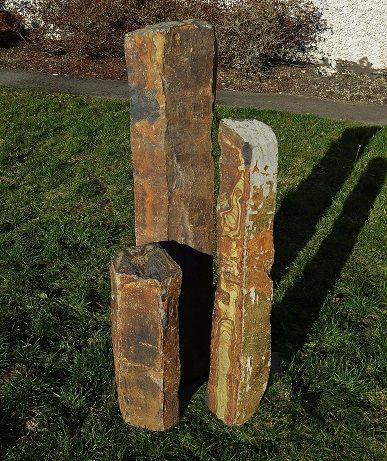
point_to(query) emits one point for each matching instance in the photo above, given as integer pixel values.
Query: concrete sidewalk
(370, 114)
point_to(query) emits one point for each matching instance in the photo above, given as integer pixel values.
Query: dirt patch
(290, 79)
(305, 80)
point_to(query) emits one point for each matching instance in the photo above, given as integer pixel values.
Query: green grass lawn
(66, 206)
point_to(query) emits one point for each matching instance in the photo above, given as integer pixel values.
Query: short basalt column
(171, 76)
(145, 294)
(240, 348)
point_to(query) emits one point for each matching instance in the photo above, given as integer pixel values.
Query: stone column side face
(145, 331)
(240, 347)
(171, 77)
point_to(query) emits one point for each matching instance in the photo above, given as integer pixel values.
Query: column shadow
(11, 429)
(293, 318)
(300, 211)
(195, 317)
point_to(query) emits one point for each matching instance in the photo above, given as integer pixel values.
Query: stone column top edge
(146, 262)
(251, 131)
(168, 26)
(260, 146)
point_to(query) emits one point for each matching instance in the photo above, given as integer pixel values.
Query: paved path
(371, 114)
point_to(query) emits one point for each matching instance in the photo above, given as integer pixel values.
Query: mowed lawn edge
(66, 206)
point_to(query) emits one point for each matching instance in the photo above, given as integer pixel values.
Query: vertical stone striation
(171, 73)
(145, 293)
(240, 347)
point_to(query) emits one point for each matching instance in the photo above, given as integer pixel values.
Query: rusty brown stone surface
(240, 345)
(145, 294)
(171, 76)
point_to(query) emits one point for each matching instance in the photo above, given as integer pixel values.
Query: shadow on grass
(11, 429)
(300, 211)
(293, 318)
(195, 314)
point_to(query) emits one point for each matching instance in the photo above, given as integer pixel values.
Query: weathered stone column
(145, 293)
(240, 348)
(171, 75)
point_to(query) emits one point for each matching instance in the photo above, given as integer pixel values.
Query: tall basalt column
(145, 294)
(240, 348)
(171, 75)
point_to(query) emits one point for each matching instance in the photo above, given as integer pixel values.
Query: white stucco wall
(358, 31)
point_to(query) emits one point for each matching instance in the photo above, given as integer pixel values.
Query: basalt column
(171, 73)
(171, 77)
(240, 348)
(145, 294)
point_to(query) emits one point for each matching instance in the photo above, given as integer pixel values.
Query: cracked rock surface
(240, 347)
(145, 294)
(171, 76)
